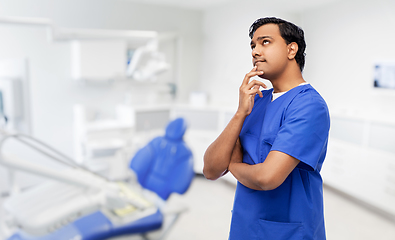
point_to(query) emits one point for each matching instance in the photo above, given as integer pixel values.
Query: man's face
(269, 51)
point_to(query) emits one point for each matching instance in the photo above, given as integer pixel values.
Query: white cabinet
(362, 167)
(103, 145)
(98, 59)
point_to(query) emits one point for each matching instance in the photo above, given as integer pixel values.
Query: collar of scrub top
(277, 95)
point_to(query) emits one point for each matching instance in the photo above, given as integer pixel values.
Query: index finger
(256, 83)
(251, 74)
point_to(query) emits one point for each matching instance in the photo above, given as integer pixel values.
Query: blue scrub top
(296, 123)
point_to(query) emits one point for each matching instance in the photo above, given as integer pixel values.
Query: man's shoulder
(308, 97)
(308, 92)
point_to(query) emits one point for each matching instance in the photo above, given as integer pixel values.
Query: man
(276, 142)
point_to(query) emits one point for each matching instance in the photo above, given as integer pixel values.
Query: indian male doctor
(276, 142)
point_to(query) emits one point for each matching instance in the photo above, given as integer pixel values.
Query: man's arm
(218, 154)
(264, 176)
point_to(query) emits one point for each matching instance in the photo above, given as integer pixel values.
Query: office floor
(209, 215)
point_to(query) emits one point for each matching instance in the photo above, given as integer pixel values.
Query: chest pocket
(266, 145)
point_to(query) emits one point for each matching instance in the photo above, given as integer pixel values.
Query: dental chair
(164, 166)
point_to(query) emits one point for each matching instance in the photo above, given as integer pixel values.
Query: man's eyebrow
(260, 38)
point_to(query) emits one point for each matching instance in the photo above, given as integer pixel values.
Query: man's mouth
(258, 61)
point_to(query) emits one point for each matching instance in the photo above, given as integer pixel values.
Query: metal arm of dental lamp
(13, 162)
(78, 176)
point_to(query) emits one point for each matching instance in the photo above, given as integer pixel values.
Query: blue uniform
(296, 123)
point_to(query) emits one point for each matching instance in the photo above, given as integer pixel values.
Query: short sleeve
(304, 130)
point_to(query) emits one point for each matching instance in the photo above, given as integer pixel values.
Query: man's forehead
(269, 29)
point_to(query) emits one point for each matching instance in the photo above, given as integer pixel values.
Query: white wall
(343, 41)
(53, 92)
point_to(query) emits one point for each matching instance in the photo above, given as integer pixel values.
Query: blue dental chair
(164, 166)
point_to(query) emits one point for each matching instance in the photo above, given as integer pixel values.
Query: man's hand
(237, 154)
(248, 90)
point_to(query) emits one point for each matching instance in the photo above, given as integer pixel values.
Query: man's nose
(256, 52)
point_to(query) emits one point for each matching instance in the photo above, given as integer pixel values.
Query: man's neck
(287, 81)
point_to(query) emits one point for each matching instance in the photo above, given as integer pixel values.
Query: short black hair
(289, 32)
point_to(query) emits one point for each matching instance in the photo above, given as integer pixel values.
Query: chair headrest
(175, 129)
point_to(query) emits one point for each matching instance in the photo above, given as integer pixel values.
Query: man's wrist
(232, 167)
(240, 114)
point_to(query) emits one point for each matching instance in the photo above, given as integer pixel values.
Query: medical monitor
(384, 74)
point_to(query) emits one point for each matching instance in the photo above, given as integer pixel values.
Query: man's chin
(261, 76)
(264, 76)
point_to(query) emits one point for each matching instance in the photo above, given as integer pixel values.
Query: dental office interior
(89, 87)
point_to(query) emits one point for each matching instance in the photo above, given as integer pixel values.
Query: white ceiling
(297, 5)
(191, 4)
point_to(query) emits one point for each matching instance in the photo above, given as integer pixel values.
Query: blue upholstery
(165, 165)
(97, 226)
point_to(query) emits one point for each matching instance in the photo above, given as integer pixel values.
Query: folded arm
(263, 176)
(218, 155)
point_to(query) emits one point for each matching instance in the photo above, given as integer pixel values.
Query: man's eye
(265, 42)
(252, 47)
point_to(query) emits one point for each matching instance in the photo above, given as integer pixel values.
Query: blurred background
(98, 79)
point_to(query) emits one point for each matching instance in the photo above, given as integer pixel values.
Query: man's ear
(292, 50)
